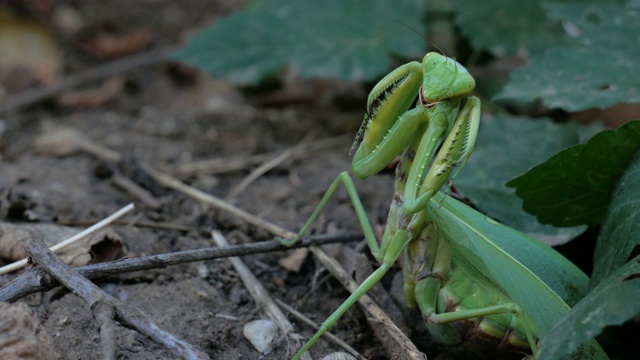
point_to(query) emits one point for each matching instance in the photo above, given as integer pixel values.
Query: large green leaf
(508, 146)
(613, 302)
(620, 232)
(349, 39)
(530, 273)
(597, 71)
(506, 26)
(572, 188)
(580, 13)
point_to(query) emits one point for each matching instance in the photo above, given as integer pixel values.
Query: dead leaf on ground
(58, 141)
(105, 45)
(293, 261)
(102, 246)
(64, 141)
(92, 98)
(22, 336)
(612, 117)
(27, 45)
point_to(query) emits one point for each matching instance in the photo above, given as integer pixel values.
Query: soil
(167, 115)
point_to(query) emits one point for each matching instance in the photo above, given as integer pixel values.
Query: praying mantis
(474, 290)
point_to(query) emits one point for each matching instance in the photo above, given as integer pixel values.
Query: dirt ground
(167, 116)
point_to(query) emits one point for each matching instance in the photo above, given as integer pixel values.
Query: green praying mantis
(476, 291)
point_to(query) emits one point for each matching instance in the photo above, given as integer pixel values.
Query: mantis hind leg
(429, 281)
(441, 324)
(401, 237)
(396, 245)
(369, 282)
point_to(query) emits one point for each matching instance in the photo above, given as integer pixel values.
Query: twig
(105, 307)
(137, 191)
(298, 315)
(259, 171)
(216, 202)
(228, 164)
(32, 96)
(104, 316)
(140, 224)
(261, 296)
(33, 280)
(335, 268)
(79, 236)
(220, 165)
(266, 166)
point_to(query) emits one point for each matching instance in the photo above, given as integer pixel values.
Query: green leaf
(508, 146)
(572, 187)
(515, 26)
(349, 39)
(528, 272)
(613, 302)
(620, 232)
(586, 13)
(595, 72)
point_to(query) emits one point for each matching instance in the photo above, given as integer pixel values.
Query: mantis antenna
(431, 42)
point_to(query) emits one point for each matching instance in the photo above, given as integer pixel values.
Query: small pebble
(261, 334)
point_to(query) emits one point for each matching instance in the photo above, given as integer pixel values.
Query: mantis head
(444, 78)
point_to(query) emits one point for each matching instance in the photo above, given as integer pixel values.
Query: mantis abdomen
(462, 289)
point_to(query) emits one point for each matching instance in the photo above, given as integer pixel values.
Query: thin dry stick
(34, 280)
(216, 202)
(104, 318)
(99, 151)
(266, 166)
(259, 171)
(137, 191)
(32, 96)
(220, 165)
(260, 295)
(333, 266)
(105, 307)
(139, 224)
(66, 243)
(298, 315)
(235, 163)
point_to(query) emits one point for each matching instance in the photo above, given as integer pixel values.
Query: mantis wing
(530, 273)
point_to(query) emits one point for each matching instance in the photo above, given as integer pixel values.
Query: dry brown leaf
(58, 141)
(22, 336)
(105, 45)
(83, 252)
(612, 117)
(293, 262)
(63, 141)
(26, 44)
(92, 98)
